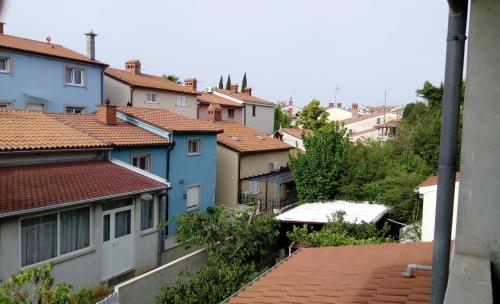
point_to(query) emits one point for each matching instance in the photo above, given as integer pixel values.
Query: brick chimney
(91, 44)
(247, 90)
(339, 105)
(331, 105)
(354, 107)
(133, 66)
(214, 113)
(191, 83)
(1, 28)
(106, 113)
(234, 88)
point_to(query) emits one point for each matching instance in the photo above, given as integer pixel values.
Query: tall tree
(171, 77)
(221, 83)
(228, 83)
(281, 119)
(244, 82)
(313, 116)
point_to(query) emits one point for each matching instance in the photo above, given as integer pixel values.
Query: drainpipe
(457, 22)
(163, 216)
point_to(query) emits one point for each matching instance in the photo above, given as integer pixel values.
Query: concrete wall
(45, 77)
(293, 141)
(263, 119)
(227, 177)
(145, 288)
(116, 91)
(429, 212)
(478, 222)
(335, 114)
(202, 114)
(259, 163)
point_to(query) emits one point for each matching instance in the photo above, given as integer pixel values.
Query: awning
(273, 177)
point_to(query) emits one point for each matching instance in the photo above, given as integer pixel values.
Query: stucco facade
(25, 85)
(237, 117)
(370, 123)
(335, 114)
(227, 177)
(263, 120)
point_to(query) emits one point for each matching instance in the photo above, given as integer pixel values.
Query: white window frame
(72, 83)
(198, 139)
(83, 108)
(181, 101)
(151, 98)
(155, 215)
(59, 257)
(148, 162)
(197, 207)
(8, 64)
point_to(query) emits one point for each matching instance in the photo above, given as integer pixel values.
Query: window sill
(148, 232)
(193, 209)
(75, 85)
(182, 106)
(4, 72)
(62, 259)
(193, 154)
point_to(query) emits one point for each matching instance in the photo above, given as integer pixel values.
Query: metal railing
(267, 206)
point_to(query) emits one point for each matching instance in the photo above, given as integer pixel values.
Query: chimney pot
(1, 28)
(339, 105)
(354, 107)
(191, 83)
(234, 88)
(214, 113)
(106, 113)
(247, 90)
(91, 44)
(133, 66)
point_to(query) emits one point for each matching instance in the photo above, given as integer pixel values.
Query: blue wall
(185, 170)
(44, 77)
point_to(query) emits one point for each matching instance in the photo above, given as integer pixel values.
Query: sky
(302, 49)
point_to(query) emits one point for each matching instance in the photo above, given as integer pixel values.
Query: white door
(193, 198)
(117, 241)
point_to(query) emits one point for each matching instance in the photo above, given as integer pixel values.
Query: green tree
(236, 241)
(221, 82)
(313, 116)
(281, 119)
(338, 232)
(35, 286)
(171, 77)
(228, 82)
(318, 171)
(244, 82)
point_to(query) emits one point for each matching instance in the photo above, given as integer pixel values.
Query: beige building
(231, 111)
(131, 86)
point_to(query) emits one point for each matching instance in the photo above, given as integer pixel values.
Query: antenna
(336, 90)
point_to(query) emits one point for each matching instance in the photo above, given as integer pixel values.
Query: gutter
(455, 50)
(55, 150)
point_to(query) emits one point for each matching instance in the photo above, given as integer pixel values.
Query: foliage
(318, 172)
(171, 77)
(244, 82)
(313, 116)
(235, 242)
(228, 82)
(281, 119)
(338, 232)
(221, 83)
(35, 286)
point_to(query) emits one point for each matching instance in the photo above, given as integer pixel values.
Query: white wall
(335, 114)
(263, 119)
(116, 91)
(293, 141)
(370, 122)
(429, 213)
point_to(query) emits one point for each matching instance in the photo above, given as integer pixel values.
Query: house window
(74, 110)
(33, 106)
(230, 113)
(194, 146)
(142, 161)
(49, 236)
(378, 120)
(253, 187)
(5, 104)
(74, 76)
(150, 97)
(4, 64)
(181, 101)
(193, 198)
(147, 212)
(253, 110)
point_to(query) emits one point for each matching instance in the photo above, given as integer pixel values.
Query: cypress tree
(244, 82)
(228, 83)
(221, 83)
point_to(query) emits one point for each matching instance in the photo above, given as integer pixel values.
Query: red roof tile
(209, 98)
(35, 187)
(296, 132)
(246, 97)
(148, 81)
(433, 180)
(43, 48)
(170, 121)
(121, 134)
(347, 274)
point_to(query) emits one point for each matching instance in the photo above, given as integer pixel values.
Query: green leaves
(281, 119)
(312, 116)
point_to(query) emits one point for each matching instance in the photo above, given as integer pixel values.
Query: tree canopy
(244, 82)
(281, 119)
(171, 77)
(221, 82)
(313, 116)
(228, 82)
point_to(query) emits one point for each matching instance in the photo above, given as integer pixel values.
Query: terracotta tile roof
(170, 121)
(296, 132)
(349, 274)
(390, 124)
(433, 180)
(246, 97)
(121, 134)
(209, 98)
(361, 118)
(29, 130)
(43, 48)
(362, 132)
(35, 187)
(148, 81)
(247, 140)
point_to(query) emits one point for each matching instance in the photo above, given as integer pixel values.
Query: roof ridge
(39, 41)
(78, 130)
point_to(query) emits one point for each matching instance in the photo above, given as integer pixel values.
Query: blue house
(45, 76)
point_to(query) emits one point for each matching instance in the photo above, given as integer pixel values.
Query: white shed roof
(319, 213)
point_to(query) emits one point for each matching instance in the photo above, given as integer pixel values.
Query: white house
(292, 136)
(428, 191)
(336, 112)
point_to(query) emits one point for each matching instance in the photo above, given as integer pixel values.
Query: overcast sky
(288, 48)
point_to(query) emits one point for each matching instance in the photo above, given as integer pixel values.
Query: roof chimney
(354, 107)
(91, 44)
(133, 66)
(191, 83)
(106, 113)
(214, 112)
(1, 28)
(247, 90)
(234, 88)
(331, 105)
(339, 105)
